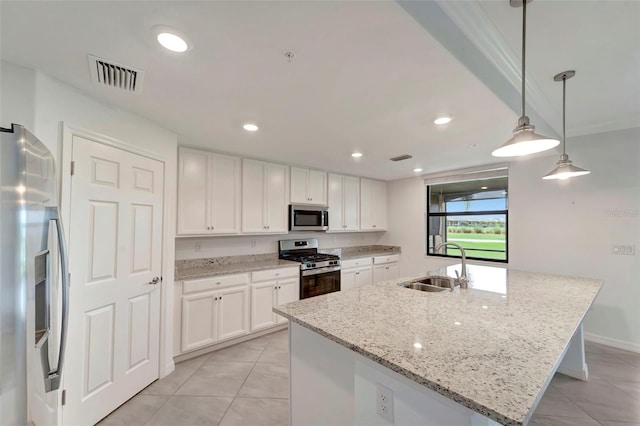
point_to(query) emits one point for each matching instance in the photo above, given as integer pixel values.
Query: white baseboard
(615, 343)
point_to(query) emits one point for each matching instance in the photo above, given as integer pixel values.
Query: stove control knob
(313, 265)
(309, 265)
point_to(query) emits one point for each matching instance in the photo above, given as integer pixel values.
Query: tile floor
(248, 385)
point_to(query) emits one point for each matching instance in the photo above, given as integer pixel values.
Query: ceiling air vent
(401, 157)
(115, 75)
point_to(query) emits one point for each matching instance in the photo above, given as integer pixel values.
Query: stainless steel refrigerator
(34, 288)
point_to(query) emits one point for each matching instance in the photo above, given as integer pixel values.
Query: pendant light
(525, 140)
(565, 169)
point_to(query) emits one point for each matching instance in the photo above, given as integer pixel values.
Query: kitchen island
(477, 356)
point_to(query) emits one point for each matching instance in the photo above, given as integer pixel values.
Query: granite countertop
(368, 251)
(202, 268)
(491, 348)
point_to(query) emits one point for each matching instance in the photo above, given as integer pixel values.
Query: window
(471, 213)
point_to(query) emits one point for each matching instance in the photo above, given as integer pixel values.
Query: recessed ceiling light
(457, 323)
(356, 155)
(250, 127)
(443, 120)
(485, 307)
(418, 170)
(417, 345)
(172, 42)
(484, 187)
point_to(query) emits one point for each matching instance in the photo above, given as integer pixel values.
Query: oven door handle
(318, 271)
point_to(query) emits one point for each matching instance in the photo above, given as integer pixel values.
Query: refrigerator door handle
(52, 381)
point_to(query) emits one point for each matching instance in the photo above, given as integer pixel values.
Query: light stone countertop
(368, 251)
(491, 348)
(189, 272)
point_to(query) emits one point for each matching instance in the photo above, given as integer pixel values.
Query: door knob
(154, 281)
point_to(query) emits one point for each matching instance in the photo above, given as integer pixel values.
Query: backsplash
(186, 248)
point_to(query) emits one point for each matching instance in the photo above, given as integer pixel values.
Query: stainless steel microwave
(308, 218)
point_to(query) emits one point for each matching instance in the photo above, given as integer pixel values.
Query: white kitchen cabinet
(308, 186)
(263, 299)
(356, 273)
(214, 309)
(281, 286)
(344, 203)
(373, 205)
(264, 197)
(208, 193)
(385, 267)
(356, 277)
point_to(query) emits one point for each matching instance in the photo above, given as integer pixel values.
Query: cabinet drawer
(275, 274)
(381, 260)
(353, 263)
(214, 283)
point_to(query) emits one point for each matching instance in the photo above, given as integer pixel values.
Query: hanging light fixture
(525, 140)
(565, 169)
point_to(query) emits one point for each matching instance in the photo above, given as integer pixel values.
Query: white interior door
(115, 249)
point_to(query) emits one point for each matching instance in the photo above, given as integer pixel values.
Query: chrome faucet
(461, 278)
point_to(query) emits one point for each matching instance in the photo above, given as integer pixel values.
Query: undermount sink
(432, 284)
(424, 287)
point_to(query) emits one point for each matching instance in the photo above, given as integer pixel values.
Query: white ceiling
(366, 77)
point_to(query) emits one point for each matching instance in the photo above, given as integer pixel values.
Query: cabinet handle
(277, 275)
(386, 267)
(357, 273)
(218, 283)
(215, 298)
(374, 226)
(220, 297)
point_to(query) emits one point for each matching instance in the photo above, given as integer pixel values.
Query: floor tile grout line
(237, 392)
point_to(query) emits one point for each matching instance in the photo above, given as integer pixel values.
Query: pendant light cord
(524, 44)
(564, 109)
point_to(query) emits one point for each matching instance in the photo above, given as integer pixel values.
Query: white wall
(564, 227)
(17, 95)
(54, 103)
(258, 244)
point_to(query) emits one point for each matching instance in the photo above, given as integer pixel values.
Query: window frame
(428, 215)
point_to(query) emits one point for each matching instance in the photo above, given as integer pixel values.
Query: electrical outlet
(384, 402)
(253, 243)
(198, 247)
(628, 249)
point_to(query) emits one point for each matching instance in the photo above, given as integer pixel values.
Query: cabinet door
(299, 185)
(379, 273)
(373, 205)
(277, 199)
(193, 192)
(233, 312)
(199, 317)
(379, 205)
(364, 276)
(347, 279)
(336, 211)
(253, 196)
(392, 271)
(225, 185)
(366, 204)
(288, 291)
(263, 298)
(317, 187)
(351, 203)
(335, 202)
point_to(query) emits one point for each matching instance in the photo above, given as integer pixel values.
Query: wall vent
(401, 157)
(118, 76)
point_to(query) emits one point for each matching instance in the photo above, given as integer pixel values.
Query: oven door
(315, 282)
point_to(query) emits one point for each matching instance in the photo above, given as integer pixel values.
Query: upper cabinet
(344, 203)
(264, 197)
(308, 186)
(373, 205)
(208, 193)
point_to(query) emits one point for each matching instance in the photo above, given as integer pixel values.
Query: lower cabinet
(212, 316)
(266, 295)
(356, 277)
(385, 272)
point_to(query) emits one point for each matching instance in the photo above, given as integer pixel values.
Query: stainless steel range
(319, 272)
